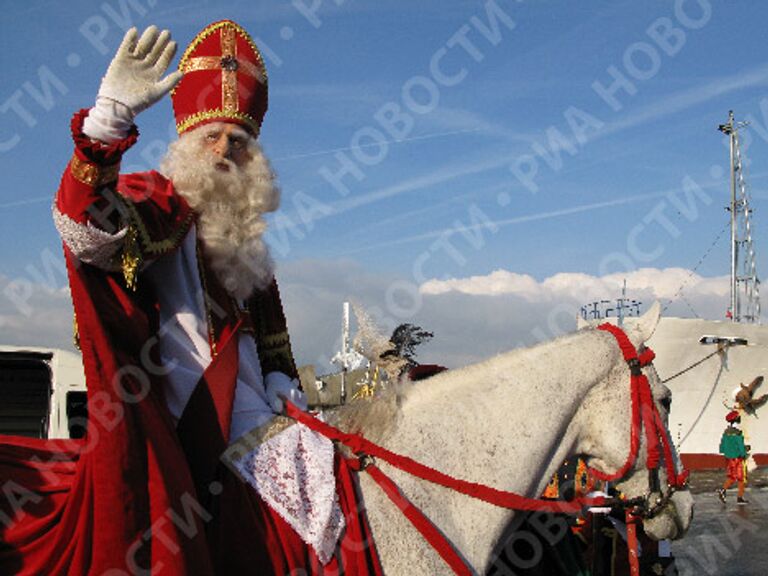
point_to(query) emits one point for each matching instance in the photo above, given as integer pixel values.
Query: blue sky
(531, 138)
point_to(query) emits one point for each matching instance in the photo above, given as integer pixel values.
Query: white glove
(277, 385)
(134, 78)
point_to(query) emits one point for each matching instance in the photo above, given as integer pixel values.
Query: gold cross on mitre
(230, 66)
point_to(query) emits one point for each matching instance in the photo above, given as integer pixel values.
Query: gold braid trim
(156, 247)
(208, 63)
(274, 345)
(276, 341)
(275, 353)
(92, 174)
(139, 243)
(197, 117)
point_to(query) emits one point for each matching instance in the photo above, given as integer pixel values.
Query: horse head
(607, 422)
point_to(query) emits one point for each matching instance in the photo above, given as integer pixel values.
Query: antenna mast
(744, 281)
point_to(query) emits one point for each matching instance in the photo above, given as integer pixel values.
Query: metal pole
(735, 312)
(730, 130)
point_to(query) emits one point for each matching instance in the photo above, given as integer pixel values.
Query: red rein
(644, 413)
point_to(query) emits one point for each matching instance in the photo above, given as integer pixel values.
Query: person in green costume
(733, 448)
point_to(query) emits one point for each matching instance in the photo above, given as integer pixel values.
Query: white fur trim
(88, 243)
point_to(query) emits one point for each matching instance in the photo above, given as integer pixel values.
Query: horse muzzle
(668, 516)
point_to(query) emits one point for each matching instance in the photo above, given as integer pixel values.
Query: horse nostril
(666, 403)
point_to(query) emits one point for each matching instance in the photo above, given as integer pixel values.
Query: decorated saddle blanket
(292, 469)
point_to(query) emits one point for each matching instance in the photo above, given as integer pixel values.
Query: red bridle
(645, 416)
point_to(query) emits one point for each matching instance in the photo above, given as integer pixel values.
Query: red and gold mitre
(224, 80)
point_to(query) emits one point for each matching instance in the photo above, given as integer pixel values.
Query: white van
(42, 393)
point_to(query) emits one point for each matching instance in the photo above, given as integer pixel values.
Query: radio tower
(745, 285)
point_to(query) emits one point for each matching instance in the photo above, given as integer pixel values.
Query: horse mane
(374, 417)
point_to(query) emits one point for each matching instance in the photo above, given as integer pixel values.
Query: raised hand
(135, 76)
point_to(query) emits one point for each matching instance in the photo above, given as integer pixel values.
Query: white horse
(509, 422)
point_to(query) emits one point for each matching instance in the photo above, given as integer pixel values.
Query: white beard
(229, 206)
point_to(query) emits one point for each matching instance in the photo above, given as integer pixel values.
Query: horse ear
(581, 322)
(645, 326)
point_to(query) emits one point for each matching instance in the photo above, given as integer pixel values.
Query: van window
(77, 413)
(25, 395)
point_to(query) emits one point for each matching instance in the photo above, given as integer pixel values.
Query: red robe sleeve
(112, 221)
(91, 175)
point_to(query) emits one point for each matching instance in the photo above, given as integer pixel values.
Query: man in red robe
(184, 345)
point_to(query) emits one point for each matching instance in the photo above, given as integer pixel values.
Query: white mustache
(214, 161)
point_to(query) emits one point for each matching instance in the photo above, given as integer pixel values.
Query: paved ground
(726, 539)
(709, 480)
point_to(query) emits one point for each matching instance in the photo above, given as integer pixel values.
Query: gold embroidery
(275, 341)
(277, 360)
(202, 63)
(155, 247)
(210, 30)
(131, 259)
(229, 66)
(92, 174)
(275, 350)
(197, 117)
(199, 63)
(139, 243)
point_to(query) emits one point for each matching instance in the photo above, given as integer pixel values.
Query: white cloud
(476, 317)
(497, 282)
(663, 284)
(34, 314)
(472, 318)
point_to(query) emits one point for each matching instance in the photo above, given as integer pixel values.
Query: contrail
(373, 144)
(26, 202)
(518, 220)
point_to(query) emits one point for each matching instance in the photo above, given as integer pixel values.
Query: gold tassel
(131, 257)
